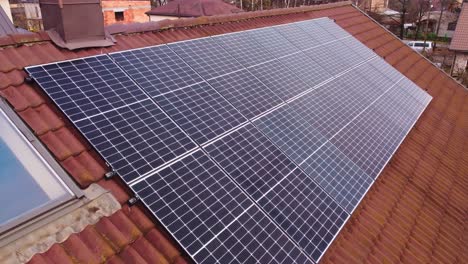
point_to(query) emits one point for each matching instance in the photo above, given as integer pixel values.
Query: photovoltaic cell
(251, 160)
(250, 96)
(412, 89)
(308, 70)
(206, 57)
(200, 111)
(87, 87)
(289, 196)
(297, 36)
(135, 139)
(331, 27)
(339, 176)
(280, 79)
(386, 69)
(291, 133)
(244, 48)
(305, 212)
(273, 41)
(211, 217)
(314, 30)
(156, 69)
(328, 59)
(358, 48)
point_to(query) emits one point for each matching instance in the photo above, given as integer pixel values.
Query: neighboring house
(447, 23)
(376, 6)
(125, 11)
(191, 8)
(5, 5)
(6, 26)
(459, 43)
(27, 14)
(415, 212)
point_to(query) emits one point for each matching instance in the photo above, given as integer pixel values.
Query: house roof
(460, 36)
(6, 26)
(194, 8)
(415, 212)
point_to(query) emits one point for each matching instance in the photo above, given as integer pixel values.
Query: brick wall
(133, 11)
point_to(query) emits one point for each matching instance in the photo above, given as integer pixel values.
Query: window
(29, 186)
(119, 16)
(452, 25)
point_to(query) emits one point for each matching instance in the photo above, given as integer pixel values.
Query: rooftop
(416, 211)
(194, 8)
(460, 37)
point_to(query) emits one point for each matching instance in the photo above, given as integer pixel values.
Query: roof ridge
(42, 36)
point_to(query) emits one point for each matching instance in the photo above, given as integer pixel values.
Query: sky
(19, 192)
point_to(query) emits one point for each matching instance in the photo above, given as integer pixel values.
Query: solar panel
(273, 41)
(206, 57)
(202, 112)
(331, 27)
(87, 87)
(308, 70)
(294, 123)
(157, 70)
(358, 48)
(292, 199)
(212, 219)
(291, 133)
(250, 96)
(244, 48)
(314, 30)
(297, 36)
(135, 139)
(276, 76)
(339, 176)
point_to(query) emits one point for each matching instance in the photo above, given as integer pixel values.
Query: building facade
(125, 11)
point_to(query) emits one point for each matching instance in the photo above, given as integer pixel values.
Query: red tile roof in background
(416, 212)
(194, 8)
(460, 37)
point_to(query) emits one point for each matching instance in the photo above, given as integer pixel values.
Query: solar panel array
(251, 147)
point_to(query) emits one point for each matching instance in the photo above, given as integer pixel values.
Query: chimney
(75, 24)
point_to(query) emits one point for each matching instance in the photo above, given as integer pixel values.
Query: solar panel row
(250, 147)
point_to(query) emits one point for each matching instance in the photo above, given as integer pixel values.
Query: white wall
(6, 7)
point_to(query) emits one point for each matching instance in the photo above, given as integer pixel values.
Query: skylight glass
(28, 186)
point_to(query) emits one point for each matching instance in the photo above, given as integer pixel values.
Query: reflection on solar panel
(253, 147)
(157, 69)
(246, 93)
(289, 197)
(200, 111)
(212, 218)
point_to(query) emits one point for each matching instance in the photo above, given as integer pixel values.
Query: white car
(419, 45)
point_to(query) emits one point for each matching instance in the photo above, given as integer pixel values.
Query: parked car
(418, 45)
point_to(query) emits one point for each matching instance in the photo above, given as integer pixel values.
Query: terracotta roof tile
(415, 212)
(460, 36)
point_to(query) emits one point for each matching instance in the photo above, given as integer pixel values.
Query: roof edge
(21, 39)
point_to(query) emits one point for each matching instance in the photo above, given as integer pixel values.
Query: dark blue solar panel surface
(135, 139)
(212, 218)
(206, 57)
(326, 113)
(280, 79)
(157, 69)
(87, 87)
(273, 41)
(250, 96)
(289, 196)
(244, 48)
(291, 133)
(202, 112)
(339, 177)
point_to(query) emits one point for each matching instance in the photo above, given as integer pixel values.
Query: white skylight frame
(50, 176)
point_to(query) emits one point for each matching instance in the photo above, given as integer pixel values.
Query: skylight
(28, 186)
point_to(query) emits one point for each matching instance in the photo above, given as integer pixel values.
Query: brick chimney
(75, 24)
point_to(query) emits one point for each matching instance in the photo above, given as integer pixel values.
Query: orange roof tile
(460, 36)
(415, 212)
